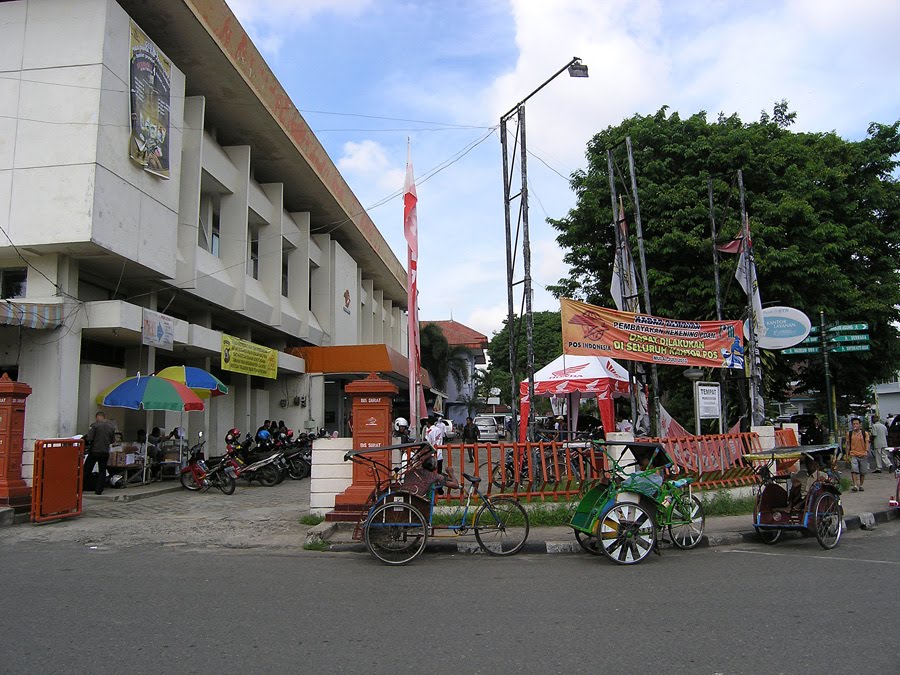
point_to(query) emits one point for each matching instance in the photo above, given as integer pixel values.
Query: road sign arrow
(851, 348)
(864, 337)
(801, 350)
(847, 327)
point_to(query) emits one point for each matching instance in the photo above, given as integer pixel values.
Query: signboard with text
(588, 330)
(240, 356)
(157, 330)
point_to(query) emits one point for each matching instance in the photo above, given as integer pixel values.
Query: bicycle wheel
(396, 533)
(686, 522)
(627, 533)
(501, 526)
(588, 543)
(828, 520)
(498, 480)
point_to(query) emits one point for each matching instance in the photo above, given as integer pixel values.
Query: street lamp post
(575, 68)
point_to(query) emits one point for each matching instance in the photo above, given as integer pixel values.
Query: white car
(487, 428)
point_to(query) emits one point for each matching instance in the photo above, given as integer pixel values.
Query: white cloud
(369, 160)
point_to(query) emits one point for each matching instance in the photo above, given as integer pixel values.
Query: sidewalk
(264, 518)
(864, 510)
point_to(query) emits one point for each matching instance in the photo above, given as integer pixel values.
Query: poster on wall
(157, 330)
(240, 356)
(149, 80)
(588, 330)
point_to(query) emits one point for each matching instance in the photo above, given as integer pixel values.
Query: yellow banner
(240, 356)
(588, 330)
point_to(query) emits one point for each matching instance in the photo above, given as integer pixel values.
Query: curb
(320, 534)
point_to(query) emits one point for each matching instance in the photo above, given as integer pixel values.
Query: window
(208, 234)
(285, 277)
(253, 261)
(13, 282)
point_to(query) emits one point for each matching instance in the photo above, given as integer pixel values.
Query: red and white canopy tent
(577, 376)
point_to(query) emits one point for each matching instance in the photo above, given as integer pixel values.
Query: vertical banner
(588, 330)
(417, 409)
(150, 75)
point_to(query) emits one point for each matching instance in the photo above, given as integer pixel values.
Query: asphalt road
(792, 608)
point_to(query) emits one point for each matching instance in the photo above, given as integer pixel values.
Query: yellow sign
(240, 356)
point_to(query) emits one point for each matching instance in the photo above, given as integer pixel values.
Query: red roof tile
(459, 335)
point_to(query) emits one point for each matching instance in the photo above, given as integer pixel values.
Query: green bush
(724, 503)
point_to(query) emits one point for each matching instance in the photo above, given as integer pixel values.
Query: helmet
(400, 422)
(233, 436)
(263, 436)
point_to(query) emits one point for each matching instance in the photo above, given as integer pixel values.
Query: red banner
(589, 330)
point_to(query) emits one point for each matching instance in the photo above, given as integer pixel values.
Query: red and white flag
(411, 231)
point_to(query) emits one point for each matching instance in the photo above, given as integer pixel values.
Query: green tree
(825, 225)
(547, 345)
(440, 359)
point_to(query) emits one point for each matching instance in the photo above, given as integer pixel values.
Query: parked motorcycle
(246, 464)
(298, 455)
(200, 476)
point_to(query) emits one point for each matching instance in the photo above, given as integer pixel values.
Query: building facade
(153, 169)
(470, 346)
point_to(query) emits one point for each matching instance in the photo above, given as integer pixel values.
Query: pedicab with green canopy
(620, 514)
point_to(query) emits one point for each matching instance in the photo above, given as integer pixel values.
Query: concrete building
(217, 214)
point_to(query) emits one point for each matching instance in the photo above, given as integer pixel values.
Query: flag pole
(654, 375)
(715, 252)
(755, 415)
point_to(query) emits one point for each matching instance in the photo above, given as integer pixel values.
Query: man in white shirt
(435, 437)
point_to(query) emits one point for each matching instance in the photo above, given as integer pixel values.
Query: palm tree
(441, 360)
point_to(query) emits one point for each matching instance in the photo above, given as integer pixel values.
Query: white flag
(630, 303)
(741, 275)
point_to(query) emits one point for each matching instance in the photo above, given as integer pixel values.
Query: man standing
(99, 437)
(857, 449)
(879, 445)
(470, 436)
(435, 436)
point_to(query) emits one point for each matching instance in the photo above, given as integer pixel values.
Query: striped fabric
(31, 314)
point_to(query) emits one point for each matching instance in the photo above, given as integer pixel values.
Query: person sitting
(803, 480)
(647, 481)
(424, 477)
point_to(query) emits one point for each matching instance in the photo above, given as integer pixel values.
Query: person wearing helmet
(401, 429)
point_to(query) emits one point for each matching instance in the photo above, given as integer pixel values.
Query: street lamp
(576, 69)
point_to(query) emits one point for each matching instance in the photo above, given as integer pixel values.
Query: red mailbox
(372, 422)
(13, 489)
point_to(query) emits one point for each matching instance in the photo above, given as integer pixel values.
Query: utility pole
(715, 252)
(756, 415)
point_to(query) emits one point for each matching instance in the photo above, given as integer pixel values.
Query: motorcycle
(199, 476)
(245, 464)
(298, 456)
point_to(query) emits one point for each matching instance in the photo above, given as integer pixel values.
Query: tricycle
(807, 499)
(620, 513)
(399, 517)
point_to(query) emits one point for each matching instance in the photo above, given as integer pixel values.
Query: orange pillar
(13, 489)
(372, 422)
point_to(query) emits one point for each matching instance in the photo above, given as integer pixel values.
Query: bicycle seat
(475, 480)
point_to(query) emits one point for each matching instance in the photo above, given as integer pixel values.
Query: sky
(371, 75)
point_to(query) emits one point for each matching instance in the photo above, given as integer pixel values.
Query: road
(792, 608)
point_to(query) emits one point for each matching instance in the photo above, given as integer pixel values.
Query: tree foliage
(547, 345)
(825, 226)
(440, 359)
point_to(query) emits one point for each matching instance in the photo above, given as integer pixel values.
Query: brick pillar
(372, 422)
(13, 489)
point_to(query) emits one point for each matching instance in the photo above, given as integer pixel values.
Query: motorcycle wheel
(268, 475)
(298, 469)
(225, 483)
(188, 482)
(282, 473)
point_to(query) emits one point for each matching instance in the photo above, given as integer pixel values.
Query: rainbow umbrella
(149, 392)
(199, 381)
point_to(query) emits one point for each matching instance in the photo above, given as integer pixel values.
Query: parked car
(451, 433)
(487, 428)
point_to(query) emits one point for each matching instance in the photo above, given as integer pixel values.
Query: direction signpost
(834, 339)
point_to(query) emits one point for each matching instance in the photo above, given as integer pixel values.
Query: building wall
(68, 187)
